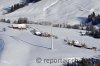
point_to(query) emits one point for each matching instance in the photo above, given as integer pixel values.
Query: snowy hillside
(4, 4)
(26, 44)
(69, 11)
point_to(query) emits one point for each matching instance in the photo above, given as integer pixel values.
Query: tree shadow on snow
(29, 43)
(2, 44)
(82, 19)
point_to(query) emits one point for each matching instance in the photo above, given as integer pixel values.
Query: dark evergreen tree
(16, 6)
(29, 1)
(22, 20)
(93, 19)
(93, 14)
(8, 21)
(12, 9)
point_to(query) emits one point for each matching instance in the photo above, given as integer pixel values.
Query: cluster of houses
(79, 44)
(45, 34)
(34, 31)
(42, 34)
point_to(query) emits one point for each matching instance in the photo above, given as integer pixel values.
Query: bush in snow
(8, 21)
(4, 29)
(76, 26)
(84, 62)
(92, 31)
(4, 20)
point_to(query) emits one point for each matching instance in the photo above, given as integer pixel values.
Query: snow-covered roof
(19, 25)
(15, 25)
(37, 32)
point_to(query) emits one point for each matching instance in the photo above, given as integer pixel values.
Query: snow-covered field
(22, 48)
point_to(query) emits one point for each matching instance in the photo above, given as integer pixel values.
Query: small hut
(38, 33)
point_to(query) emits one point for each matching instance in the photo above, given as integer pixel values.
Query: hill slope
(4, 4)
(56, 10)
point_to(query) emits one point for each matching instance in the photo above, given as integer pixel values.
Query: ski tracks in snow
(26, 42)
(46, 8)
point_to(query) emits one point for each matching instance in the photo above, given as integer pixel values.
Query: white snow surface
(69, 11)
(22, 48)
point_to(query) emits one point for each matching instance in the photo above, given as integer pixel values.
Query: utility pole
(51, 37)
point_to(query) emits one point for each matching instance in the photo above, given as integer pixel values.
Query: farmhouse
(19, 26)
